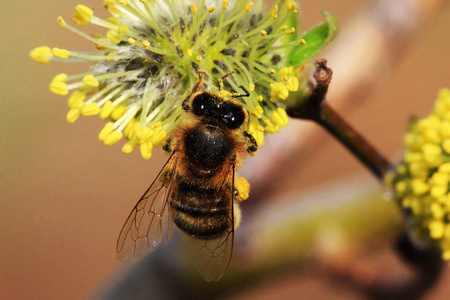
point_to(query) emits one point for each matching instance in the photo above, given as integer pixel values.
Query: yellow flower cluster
(421, 182)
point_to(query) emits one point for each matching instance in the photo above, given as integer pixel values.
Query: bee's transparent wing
(150, 222)
(211, 257)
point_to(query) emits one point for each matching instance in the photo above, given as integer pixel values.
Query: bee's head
(215, 105)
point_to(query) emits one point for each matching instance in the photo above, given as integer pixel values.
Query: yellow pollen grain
(131, 41)
(146, 44)
(263, 33)
(61, 53)
(225, 4)
(251, 87)
(189, 52)
(61, 21)
(193, 8)
(90, 80)
(249, 6)
(211, 9)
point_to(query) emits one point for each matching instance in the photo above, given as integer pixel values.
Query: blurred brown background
(64, 195)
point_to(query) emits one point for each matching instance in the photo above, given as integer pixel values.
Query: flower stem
(316, 109)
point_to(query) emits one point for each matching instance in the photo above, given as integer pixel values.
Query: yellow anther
(259, 98)
(146, 149)
(61, 53)
(259, 137)
(90, 109)
(275, 12)
(444, 168)
(113, 138)
(198, 58)
(249, 6)
(142, 1)
(301, 41)
(211, 9)
(225, 4)
(41, 54)
(251, 87)
(280, 117)
(113, 21)
(61, 21)
(157, 124)
(73, 115)
(58, 85)
(243, 187)
(130, 146)
(438, 191)
(437, 229)
(283, 28)
(419, 187)
(114, 36)
(193, 8)
(284, 72)
(131, 41)
(292, 84)
(290, 31)
(291, 6)
(446, 145)
(268, 122)
(123, 2)
(146, 44)
(263, 33)
(90, 80)
(118, 112)
(159, 137)
(76, 99)
(129, 129)
(82, 15)
(189, 52)
(107, 129)
(106, 110)
(124, 29)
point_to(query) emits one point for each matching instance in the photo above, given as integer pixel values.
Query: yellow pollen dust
(243, 187)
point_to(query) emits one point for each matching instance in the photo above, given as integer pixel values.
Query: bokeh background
(64, 195)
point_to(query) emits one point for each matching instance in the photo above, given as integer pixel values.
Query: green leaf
(316, 39)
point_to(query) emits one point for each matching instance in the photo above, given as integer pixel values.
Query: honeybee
(195, 188)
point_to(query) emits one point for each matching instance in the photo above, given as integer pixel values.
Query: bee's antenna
(246, 94)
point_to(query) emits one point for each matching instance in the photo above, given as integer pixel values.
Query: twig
(315, 108)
